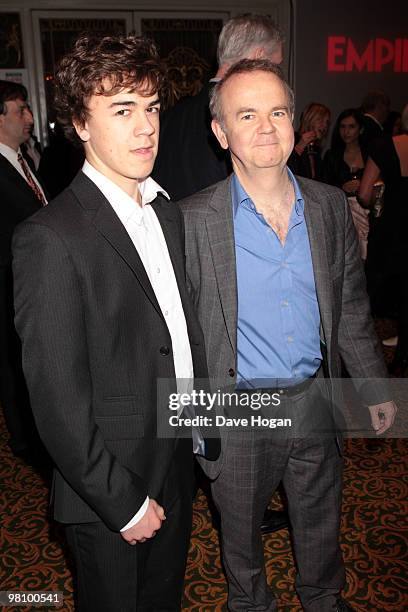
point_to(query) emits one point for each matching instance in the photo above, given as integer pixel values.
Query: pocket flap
(128, 427)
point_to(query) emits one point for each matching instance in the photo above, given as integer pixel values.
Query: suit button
(164, 350)
(231, 372)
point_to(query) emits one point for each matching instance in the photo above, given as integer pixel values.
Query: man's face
(121, 136)
(16, 123)
(257, 126)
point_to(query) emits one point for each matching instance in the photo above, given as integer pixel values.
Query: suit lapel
(18, 181)
(318, 234)
(220, 231)
(168, 225)
(108, 224)
(167, 222)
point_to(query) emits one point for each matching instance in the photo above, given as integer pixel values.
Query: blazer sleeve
(50, 319)
(359, 346)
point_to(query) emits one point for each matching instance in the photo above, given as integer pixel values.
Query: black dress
(309, 164)
(336, 171)
(387, 244)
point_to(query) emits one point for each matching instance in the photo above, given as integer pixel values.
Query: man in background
(189, 157)
(21, 196)
(375, 108)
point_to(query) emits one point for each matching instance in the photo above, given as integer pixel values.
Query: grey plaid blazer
(346, 326)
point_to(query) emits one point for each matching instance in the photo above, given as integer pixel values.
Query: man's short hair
(242, 67)
(245, 32)
(104, 66)
(11, 91)
(374, 98)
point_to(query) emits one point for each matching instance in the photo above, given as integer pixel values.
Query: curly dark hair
(104, 66)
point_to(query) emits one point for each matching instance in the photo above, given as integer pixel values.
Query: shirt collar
(239, 195)
(8, 152)
(124, 206)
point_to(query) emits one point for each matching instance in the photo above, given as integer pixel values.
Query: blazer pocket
(127, 427)
(120, 398)
(117, 405)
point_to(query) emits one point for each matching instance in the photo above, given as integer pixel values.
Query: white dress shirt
(32, 152)
(145, 231)
(11, 156)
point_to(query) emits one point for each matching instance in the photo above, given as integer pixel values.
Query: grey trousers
(310, 467)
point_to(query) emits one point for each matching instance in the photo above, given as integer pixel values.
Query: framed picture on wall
(11, 42)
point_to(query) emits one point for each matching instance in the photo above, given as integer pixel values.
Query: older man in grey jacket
(276, 278)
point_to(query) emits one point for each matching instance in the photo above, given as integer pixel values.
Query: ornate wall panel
(188, 47)
(57, 37)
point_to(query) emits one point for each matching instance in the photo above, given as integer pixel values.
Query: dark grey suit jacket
(346, 325)
(94, 344)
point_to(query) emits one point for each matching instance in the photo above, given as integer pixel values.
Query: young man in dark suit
(21, 196)
(103, 314)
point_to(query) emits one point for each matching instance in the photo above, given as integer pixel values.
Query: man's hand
(147, 526)
(382, 416)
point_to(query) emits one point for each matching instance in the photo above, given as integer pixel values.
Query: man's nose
(145, 125)
(28, 115)
(267, 124)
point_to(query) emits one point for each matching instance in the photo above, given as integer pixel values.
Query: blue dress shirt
(278, 342)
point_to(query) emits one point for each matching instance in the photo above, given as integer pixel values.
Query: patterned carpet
(374, 537)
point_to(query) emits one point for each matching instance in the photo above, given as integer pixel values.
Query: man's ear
(81, 130)
(258, 53)
(219, 133)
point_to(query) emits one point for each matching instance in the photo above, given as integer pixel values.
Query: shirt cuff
(138, 516)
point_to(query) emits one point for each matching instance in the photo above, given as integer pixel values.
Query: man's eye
(153, 109)
(123, 112)
(279, 113)
(247, 117)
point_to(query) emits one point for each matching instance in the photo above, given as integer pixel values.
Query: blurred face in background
(16, 123)
(349, 130)
(321, 125)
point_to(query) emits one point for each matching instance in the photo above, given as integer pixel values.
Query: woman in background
(388, 245)
(306, 159)
(343, 167)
